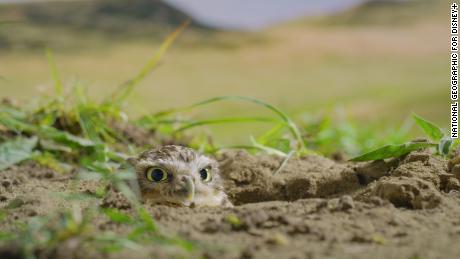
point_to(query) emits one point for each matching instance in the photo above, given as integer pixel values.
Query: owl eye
(156, 174)
(205, 175)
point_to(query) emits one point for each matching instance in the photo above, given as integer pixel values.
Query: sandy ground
(313, 208)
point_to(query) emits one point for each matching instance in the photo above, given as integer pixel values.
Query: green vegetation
(389, 13)
(371, 71)
(442, 143)
(65, 130)
(15, 151)
(74, 131)
(71, 128)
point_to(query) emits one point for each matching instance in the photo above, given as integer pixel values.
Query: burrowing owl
(180, 176)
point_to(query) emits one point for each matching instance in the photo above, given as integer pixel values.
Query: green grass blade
(244, 98)
(255, 146)
(148, 223)
(12, 112)
(16, 150)
(14, 123)
(126, 88)
(283, 117)
(430, 129)
(58, 86)
(389, 151)
(245, 147)
(444, 146)
(64, 137)
(117, 216)
(267, 149)
(224, 120)
(13, 120)
(271, 134)
(284, 163)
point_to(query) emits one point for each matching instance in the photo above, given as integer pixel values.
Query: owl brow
(207, 166)
(144, 165)
(171, 165)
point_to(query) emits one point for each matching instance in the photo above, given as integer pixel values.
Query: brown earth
(312, 208)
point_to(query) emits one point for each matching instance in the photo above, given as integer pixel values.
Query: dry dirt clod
(337, 215)
(454, 160)
(408, 192)
(455, 170)
(346, 203)
(421, 156)
(6, 183)
(371, 171)
(449, 182)
(31, 213)
(250, 179)
(115, 199)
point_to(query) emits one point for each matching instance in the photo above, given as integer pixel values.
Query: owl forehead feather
(173, 155)
(170, 152)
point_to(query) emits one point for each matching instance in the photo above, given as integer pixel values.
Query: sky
(250, 14)
(256, 14)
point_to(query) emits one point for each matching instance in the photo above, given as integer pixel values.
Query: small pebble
(346, 202)
(277, 239)
(49, 174)
(32, 213)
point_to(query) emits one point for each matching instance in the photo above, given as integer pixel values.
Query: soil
(313, 207)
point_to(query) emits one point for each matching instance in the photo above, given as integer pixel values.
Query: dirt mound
(413, 182)
(417, 181)
(255, 178)
(312, 208)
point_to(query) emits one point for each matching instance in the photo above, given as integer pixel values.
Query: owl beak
(187, 188)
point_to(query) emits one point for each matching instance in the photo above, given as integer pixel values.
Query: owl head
(180, 176)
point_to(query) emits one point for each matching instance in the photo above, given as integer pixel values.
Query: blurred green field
(351, 84)
(377, 74)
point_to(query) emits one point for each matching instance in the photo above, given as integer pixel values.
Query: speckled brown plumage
(182, 184)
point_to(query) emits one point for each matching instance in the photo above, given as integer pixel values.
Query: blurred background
(374, 62)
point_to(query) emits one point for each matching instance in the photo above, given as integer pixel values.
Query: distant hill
(390, 12)
(128, 16)
(221, 14)
(110, 15)
(71, 23)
